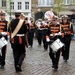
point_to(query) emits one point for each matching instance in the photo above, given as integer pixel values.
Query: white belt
(20, 34)
(44, 28)
(32, 28)
(39, 29)
(55, 34)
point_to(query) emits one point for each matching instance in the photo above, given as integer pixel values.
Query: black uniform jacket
(3, 27)
(53, 30)
(68, 30)
(23, 30)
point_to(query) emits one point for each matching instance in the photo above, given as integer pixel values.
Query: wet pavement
(37, 62)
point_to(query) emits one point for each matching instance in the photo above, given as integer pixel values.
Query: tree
(9, 11)
(8, 7)
(58, 6)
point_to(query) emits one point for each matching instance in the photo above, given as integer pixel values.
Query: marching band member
(39, 26)
(68, 31)
(3, 33)
(18, 40)
(27, 25)
(55, 32)
(31, 33)
(46, 25)
(22, 16)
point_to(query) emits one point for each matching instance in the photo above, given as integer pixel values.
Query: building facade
(14, 5)
(39, 7)
(34, 8)
(23, 5)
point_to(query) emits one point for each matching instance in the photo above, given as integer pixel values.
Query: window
(12, 5)
(19, 5)
(26, 5)
(73, 1)
(3, 3)
(66, 1)
(45, 2)
(48, 2)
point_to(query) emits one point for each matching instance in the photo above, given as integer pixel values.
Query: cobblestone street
(37, 62)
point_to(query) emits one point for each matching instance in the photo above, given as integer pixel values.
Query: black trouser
(30, 37)
(45, 44)
(66, 49)
(39, 36)
(3, 54)
(54, 57)
(19, 54)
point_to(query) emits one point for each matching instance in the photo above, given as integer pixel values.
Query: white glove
(59, 33)
(8, 37)
(3, 33)
(48, 40)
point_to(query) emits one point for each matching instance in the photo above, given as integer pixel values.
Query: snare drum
(3, 42)
(56, 45)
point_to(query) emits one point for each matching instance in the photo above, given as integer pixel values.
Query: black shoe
(29, 46)
(26, 46)
(1, 66)
(45, 49)
(39, 44)
(65, 60)
(55, 68)
(18, 69)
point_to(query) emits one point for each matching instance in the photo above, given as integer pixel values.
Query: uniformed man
(45, 28)
(27, 25)
(3, 33)
(31, 32)
(22, 16)
(54, 33)
(68, 31)
(18, 41)
(39, 26)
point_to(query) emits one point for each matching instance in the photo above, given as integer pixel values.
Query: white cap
(64, 16)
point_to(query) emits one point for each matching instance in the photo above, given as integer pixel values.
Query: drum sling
(17, 28)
